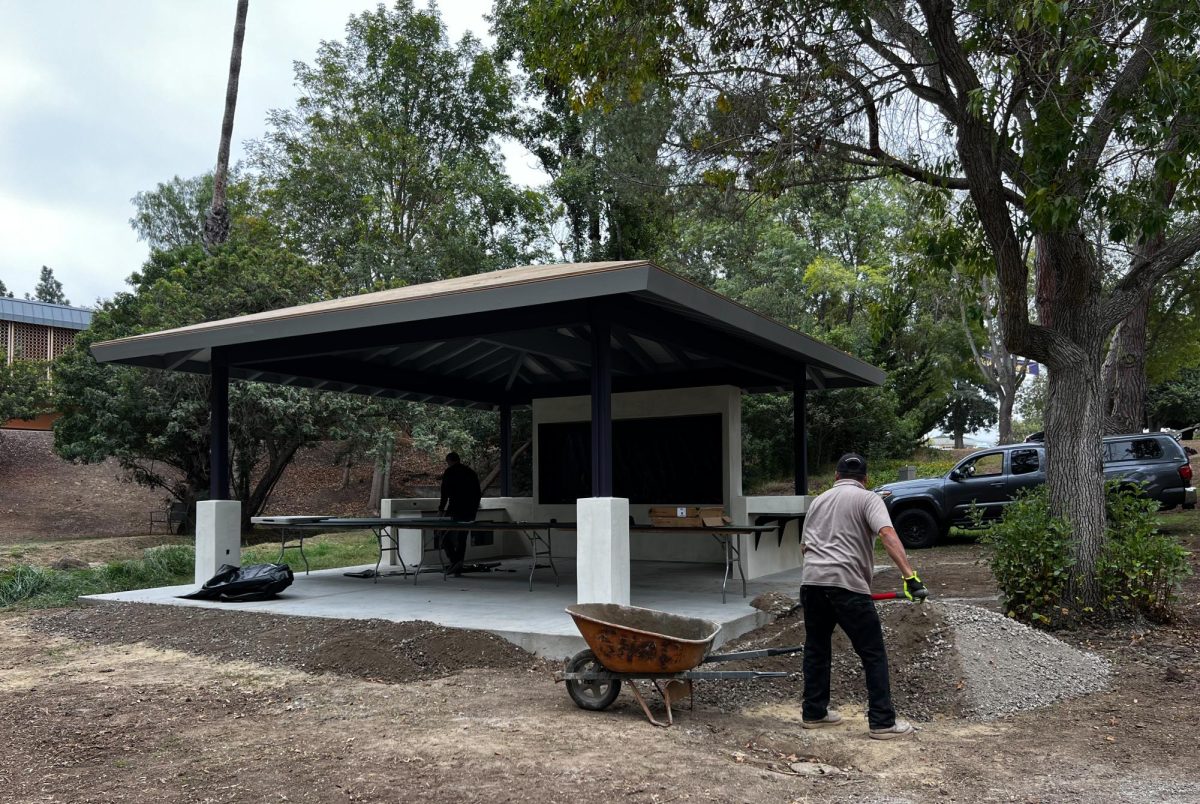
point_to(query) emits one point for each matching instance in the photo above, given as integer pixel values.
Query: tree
(5, 293)
(1036, 111)
(216, 225)
(24, 389)
(49, 289)
(172, 215)
(156, 423)
(1176, 403)
(389, 167)
(969, 412)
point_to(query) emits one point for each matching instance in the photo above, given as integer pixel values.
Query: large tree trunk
(381, 478)
(216, 225)
(1075, 466)
(1006, 413)
(1125, 373)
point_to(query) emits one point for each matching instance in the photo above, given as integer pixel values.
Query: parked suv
(924, 510)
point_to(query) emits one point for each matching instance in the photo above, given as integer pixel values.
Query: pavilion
(582, 344)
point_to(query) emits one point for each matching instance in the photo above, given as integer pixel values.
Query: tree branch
(1147, 271)
(1105, 119)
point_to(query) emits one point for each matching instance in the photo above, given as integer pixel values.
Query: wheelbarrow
(627, 644)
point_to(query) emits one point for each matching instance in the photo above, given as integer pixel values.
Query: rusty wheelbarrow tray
(628, 644)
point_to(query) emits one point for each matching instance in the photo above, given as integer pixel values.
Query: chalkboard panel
(669, 460)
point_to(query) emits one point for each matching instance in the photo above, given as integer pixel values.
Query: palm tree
(216, 225)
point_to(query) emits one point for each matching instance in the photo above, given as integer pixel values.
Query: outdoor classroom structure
(634, 375)
(36, 330)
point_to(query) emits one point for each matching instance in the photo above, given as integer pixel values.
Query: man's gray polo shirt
(839, 537)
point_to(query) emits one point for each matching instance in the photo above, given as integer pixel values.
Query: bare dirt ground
(123, 703)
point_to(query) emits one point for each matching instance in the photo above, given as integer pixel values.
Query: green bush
(1030, 555)
(1139, 570)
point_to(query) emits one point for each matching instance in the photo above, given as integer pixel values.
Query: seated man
(460, 501)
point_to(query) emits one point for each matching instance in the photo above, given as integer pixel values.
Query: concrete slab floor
(500, 601)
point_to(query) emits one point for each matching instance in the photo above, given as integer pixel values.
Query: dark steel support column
(602, 480)
(218, 456)
(800, 429)
(506, 450)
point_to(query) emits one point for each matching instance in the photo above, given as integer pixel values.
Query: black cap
(852, 464)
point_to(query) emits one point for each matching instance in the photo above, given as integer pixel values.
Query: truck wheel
(917, 529)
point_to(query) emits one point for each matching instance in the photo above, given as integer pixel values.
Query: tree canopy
(49, 289)
(1072, 129)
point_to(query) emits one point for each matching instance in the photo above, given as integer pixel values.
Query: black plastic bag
(234, 584)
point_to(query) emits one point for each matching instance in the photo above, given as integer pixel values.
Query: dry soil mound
(378, 650)
(948, 660)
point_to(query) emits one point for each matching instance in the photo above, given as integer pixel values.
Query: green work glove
(913, 588)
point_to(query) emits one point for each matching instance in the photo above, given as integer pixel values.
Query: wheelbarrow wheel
(593, 695)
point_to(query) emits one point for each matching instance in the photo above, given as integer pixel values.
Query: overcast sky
(101, 99)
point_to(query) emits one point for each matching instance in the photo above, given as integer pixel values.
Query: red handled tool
(919, 596)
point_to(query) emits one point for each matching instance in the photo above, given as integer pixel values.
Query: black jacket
(460, 492)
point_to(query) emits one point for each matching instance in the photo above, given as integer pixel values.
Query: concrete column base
(218, 536)
(602, 558)
(409, 541)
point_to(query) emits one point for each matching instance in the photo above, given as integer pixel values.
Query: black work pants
(829, 606)
(454, 542)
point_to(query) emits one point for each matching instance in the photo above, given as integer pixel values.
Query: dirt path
(126, 703)
(91, 722)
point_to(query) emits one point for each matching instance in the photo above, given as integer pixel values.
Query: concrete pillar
(218, 536)
(602, 558)
(408, 540)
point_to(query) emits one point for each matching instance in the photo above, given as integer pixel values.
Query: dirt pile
(946, 660)
(376, 650)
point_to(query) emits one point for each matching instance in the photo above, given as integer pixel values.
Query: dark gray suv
(924, 510)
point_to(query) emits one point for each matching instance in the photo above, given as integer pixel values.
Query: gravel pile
(1009, 667)
(946, 660)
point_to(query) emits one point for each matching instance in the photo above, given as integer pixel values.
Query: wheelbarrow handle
(752, 654)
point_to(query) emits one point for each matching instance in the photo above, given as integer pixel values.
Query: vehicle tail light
(1185, 472)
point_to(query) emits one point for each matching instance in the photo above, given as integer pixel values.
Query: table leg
(728, 565)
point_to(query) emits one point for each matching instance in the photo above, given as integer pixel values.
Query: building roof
(507, 337)
(26, 311)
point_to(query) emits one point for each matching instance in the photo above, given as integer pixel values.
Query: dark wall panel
(669, 460)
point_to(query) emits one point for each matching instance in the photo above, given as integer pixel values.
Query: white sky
(101, 99)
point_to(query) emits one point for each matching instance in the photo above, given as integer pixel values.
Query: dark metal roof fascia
(687, 294)
(466, 302)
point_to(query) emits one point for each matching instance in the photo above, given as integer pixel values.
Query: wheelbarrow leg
(646, 709)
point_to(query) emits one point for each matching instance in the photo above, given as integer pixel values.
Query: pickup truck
(923, 511)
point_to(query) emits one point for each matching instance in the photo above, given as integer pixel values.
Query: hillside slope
(43, 497)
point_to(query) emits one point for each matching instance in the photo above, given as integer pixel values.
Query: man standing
(460, 502)
(835, 590)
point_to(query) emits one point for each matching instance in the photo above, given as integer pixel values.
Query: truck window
(1024, 461)
(988, 465)
(1139, 449)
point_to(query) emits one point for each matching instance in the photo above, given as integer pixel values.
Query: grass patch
(29, 587)
(1180, 523)
(327, 551)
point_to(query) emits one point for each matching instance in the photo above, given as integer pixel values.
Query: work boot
(901, 728)
(831, 718)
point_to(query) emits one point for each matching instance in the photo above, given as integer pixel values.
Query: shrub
(1139, 570)
(1030, 555)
